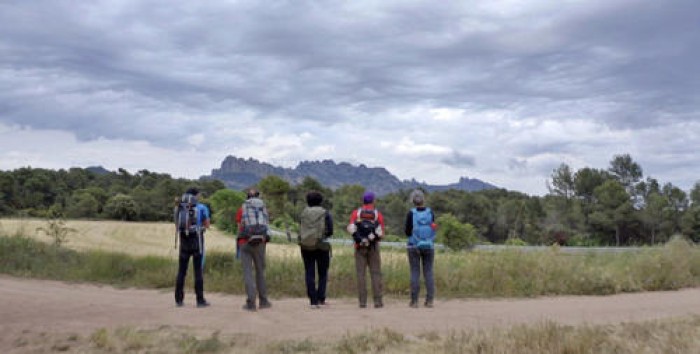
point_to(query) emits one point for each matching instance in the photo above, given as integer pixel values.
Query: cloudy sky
(503, 91)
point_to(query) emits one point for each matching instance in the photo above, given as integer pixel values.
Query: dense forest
(613, 206)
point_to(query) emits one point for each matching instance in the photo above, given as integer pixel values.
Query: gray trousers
(416, 258)
(254, 257)
(369, 257)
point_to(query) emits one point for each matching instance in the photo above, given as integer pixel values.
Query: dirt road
(41, 306)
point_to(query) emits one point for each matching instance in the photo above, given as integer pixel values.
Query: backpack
(423, 234)
(255, 221)
(367, 223)
(311, 227)
(186, 215)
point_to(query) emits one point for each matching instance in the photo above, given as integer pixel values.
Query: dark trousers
(369, 257)
(416, 259)
(316, 260)
(190, 248)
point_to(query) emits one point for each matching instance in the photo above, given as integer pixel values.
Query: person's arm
(380, 220)
(329, 225)
(207, 217)
(408, 227)
(239, 217)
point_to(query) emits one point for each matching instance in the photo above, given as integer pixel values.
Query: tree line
(82, 193)
(590, 206)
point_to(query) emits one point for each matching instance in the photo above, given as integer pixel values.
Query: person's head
(314, 198)
(368, 198)
(252, 193)
(193, 190)
(417, 197)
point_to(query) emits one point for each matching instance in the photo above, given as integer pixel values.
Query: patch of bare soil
(44, 307)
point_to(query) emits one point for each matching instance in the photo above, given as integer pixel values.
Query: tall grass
(509, 273)
(661, 336)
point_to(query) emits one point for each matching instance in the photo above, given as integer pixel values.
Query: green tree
(653, 213)
(122, 207)
(614, 208)
(225, 203)
(82, 205)
(586, 180)
(454, 234)
(274, 190)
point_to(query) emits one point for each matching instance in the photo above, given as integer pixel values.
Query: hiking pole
(289, 233)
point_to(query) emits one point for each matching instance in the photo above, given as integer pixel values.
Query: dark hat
(368, 197)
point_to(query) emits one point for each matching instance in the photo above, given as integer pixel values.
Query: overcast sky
(503, 91)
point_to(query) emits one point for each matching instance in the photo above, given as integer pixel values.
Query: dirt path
(41, 306)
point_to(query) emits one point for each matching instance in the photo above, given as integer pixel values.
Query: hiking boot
(413, 304)
(179, 303)
(265, 304)
(323, 303)
(363, 306)
(315, 307)
(203, 304)
(428, 304)
(378, 305)
(249, 307)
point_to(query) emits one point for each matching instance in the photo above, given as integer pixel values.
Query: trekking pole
(289, 233)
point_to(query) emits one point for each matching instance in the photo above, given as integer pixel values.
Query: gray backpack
(255, 220)
(311, 228)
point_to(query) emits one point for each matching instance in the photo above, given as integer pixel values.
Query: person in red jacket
(251, 252)
(367, 229)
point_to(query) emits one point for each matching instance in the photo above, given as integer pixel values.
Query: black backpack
(186, 215)
(367, 223)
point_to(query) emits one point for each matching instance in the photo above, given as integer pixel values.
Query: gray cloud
(158, 71)
(460, 160)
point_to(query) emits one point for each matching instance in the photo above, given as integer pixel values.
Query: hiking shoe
(378, 305)
(249, 307)
(315, 307)
(265, 305)
(428, 304)
(179, 304)
(203, 304)
(413, 304)
(363, 306)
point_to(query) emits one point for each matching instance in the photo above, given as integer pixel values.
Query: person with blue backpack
(191, 220)
(420, 230)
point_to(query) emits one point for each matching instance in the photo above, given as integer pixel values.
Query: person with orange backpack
(367, 229)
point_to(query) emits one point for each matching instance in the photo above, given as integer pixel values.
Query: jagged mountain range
(239, 173)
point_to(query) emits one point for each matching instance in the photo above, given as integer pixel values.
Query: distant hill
(239, 173)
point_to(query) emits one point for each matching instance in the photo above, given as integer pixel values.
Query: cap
(368, 197)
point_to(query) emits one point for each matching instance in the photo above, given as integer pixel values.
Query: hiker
(420, 229)
(315, 226)
(367, 228)
(253, 234)
(191, 220)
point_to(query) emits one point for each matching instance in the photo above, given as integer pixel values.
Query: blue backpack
(423, 234)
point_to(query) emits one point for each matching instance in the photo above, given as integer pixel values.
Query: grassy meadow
(143, 255)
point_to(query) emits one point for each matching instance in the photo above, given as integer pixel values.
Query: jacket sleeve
(329, 225)
(409, 224)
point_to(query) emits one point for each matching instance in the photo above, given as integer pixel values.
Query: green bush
(454, 234)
